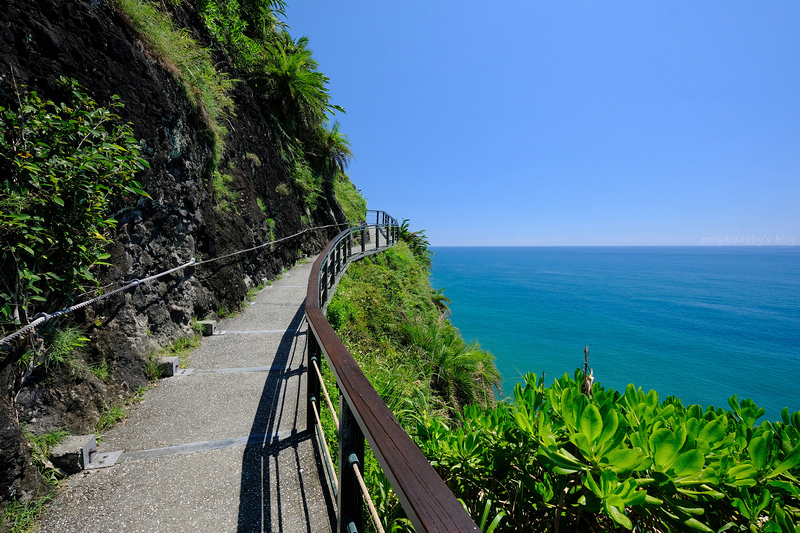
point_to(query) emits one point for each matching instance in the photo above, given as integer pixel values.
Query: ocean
(699, 323)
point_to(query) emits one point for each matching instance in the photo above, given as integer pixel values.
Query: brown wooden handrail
(427, 501)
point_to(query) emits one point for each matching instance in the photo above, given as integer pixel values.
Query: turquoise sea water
(700, 323)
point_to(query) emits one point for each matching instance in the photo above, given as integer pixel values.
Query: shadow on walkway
(267, 459)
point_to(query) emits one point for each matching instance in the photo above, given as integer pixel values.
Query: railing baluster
(351, 449)
(324, 283)
(314, 353)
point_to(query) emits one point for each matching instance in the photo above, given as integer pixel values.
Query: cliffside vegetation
(571, 456)
(397, 329)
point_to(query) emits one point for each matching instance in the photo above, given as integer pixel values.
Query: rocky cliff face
(88, 40)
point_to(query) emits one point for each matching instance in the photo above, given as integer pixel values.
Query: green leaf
(789, 462)
(743, 475)
(58, 201)
(626, 460)
(757, 450)
(618, 516)
(566, 408)
(496, 522)
(694, 523)
(610, 426)
(713, 431)
(565, 462)
(688, 463)
(665, 451)
(591, 423)
(593, 486)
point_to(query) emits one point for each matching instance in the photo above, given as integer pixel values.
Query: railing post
(363, 239)
(314, 353)
(323, 287)
(351, 448)
(377, 236)
(351, 241)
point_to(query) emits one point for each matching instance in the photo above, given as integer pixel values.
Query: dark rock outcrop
(88, 40)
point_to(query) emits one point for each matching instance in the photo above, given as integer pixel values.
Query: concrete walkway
(222, 449)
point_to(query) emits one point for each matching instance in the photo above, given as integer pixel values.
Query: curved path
(222, 449)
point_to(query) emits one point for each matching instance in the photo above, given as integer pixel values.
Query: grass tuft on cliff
(190, 64)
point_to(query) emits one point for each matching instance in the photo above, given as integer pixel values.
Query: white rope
(372, 511)
(327, 396)
(324, 443)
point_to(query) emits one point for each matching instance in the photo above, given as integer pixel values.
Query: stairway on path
(222, 449)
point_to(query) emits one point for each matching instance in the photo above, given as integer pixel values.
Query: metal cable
(41, 318)
(44, 317)
(267, 244)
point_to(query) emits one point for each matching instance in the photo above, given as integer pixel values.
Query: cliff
(97, 44)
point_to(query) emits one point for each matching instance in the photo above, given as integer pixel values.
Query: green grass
(21, 517)
(252, 292)
(386, 313)
(353, 204)
(190, 64)
(41, 446)
(181, 348)
(224, 196)
(196, 325)
(152, 368)
(310, 184)
(110, 415)
(64, 347)
(101, 371)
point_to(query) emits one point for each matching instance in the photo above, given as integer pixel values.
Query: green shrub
(385, 312)
(61, 167)
(223, 195)
(557, 459)
(340, 312)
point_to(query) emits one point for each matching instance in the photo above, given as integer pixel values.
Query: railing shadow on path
(261, 466)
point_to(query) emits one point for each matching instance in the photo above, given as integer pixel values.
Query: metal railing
(363, 415)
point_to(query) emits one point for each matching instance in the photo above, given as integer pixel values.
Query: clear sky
(533, 122)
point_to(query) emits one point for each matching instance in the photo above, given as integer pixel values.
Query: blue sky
(569, 123)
